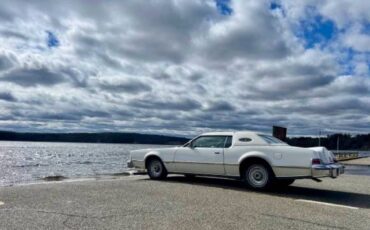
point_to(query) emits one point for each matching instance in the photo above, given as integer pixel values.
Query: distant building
(279, 132)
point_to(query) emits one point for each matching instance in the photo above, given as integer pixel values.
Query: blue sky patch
(52, 39)
(316, 31)
(366, 28)
(223, 6)
(274, 6)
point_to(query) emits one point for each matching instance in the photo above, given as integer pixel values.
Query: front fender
(152, 153)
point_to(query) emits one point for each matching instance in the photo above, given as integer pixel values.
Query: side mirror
(191, 145)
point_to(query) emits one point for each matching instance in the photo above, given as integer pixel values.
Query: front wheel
(258, 176)
(156, 169)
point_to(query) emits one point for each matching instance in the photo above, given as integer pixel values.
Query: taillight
(316, 161)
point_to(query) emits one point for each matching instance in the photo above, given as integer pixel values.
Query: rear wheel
(258, 176)
(156, 169)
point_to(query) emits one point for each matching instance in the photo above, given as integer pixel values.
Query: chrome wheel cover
(156, 168)
(257, 176)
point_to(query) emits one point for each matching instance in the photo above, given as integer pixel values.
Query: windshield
(271, 139)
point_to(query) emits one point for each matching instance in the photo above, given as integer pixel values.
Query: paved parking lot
(136, 202)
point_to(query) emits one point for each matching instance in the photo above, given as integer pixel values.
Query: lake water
(27, 162)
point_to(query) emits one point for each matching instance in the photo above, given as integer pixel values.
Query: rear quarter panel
(285, 160)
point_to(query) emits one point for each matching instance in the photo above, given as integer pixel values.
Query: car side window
(271, 139)
(228, 141)
(209, 142)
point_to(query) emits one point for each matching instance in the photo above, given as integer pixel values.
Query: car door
(203, 155)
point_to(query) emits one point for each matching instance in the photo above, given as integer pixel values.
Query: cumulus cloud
(32, 77)
(184, 67)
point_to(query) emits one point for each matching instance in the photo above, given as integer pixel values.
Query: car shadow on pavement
(295, 192)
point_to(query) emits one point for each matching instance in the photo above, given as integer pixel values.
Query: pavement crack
(65, 223)
(303, 221)
(59, 213)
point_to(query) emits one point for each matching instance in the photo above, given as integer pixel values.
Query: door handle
(217, 152)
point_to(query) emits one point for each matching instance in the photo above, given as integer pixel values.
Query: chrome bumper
(136, 164)
(329, 170)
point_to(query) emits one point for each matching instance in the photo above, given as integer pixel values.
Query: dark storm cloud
(6, 61)
(73, 115)
(33, 77)
(7, 96)
(220, 106)
(286, 87)
(333, 106)
(166, 104)
(13, 34)
(132, 86)
(6, 13)
(45, 76)
(68, 114)
(58, 116)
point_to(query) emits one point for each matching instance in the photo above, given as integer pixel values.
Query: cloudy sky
(184, 67)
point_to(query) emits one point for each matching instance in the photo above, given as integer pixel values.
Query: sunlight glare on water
(25, 162)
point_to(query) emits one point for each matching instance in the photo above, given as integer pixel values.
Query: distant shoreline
(359, 142)
(76, 142)
(106, 138)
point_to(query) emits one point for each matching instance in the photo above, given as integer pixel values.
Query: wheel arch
(152, 155)
(252, 159)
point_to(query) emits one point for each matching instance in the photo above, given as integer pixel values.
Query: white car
(260, 160)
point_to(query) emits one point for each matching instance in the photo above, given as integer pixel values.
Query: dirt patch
(55, 178)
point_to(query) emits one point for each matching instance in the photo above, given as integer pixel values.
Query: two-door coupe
(260, 160)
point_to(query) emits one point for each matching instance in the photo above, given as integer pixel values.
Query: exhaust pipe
(316, 179)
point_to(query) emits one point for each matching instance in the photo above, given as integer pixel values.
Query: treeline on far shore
(129, 138)
(345, 141)
(334, 141)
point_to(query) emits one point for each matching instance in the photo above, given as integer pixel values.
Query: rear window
(271, 139)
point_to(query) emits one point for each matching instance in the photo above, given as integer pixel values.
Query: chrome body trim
(316, 171)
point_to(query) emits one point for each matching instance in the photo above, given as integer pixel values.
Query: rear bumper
(328, 170)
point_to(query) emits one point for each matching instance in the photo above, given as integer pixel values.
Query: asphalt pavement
(135, 202)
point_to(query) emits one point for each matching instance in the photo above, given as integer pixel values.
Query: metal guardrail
(346, 154)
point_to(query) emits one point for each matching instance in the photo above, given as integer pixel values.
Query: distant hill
(130, 138)
(346, 141)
